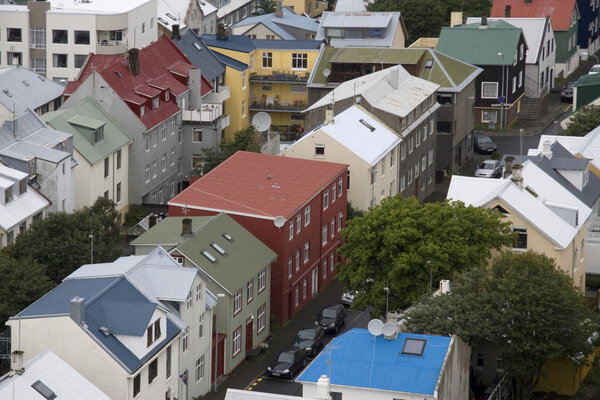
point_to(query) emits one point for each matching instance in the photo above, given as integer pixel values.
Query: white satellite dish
(375, 327)
(261, 121)
(326, 72)
(279, 221)
(389, 329)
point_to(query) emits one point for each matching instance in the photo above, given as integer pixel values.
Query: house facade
(303, 230)
(37, 39)
(499, 49)
(588, 32)
(235, 266)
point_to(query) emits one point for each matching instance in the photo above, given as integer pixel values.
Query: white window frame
(250, 291)
(485, 121)
(307, 215)
(237, 301)
(324, 234)
(261, 321)
(495, 84)
(201, 326)
(306, 252)
(262, 280)
(236, 341)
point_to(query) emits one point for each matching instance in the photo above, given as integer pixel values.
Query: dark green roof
(477, 46)
(588, 80)
(244, 256)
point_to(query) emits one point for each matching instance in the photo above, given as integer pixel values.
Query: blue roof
(359, 359)
(279, 25)
(203, 58)
(245, 44)
(233, 63)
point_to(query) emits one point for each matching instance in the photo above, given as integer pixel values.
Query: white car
(489, 169)
(594, 70)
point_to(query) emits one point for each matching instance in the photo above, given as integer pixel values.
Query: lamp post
(387, 299)
(502, 92)
(91, 236)
(216, 361)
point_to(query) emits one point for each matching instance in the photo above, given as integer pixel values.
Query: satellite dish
(326, 72)
(261, 121)
(279, 221)
(388, 329)
(375, 327)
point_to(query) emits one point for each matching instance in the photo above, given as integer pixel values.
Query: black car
(566, 92)
(483, 143)
(310, 339)
(332, 318)
(288, 363)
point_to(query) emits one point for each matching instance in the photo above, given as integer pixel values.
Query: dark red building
(296, 207)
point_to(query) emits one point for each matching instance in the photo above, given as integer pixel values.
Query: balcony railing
(207, 113)
(281, 76)
(219, 97)
(273, 104)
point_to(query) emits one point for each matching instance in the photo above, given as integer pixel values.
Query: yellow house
(312, 8)
(275, 81)
(547, 217)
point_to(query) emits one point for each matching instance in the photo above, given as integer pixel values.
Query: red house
(296, 207)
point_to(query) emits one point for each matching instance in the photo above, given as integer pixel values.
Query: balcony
(225, 121)
(281, 76)
(208, 112)
(223, 94)
(275, 105)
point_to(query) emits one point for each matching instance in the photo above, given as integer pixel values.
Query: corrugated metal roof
(236, 394)
(361, 20)
(356, 20)
(23, 206)
(201, 57)
(359, 359)
(559, 11)
(278, 25)
(22, 88)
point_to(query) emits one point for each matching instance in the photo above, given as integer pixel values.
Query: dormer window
(99, 134)
(22, 186)
(8, 195)
(155, 102)
(586, 176)
(153, 333)
(142, 110)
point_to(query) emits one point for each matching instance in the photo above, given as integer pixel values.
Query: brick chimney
(517, 175)
(279, 9)
(186, 227)
(134, 63)
(16, 362)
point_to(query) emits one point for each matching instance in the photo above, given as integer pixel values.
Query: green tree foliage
(583, 121)
(23, 282)
(61, 241)
(425, 18)
(400, 242)
(264, 7)
(246, 139)
(523, 304)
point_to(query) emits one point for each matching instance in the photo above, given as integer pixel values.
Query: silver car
(489, 169)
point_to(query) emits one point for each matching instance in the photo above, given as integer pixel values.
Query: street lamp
(587, 55)
(216, 336)
(91, 236)
(387, 299)
(502, 92)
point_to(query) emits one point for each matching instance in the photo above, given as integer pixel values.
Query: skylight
(365, 123)
(210, 257)
(171, 16)
(197, 46)
(218, 248)
(163, 21)
(429, 64)
(228, 237)
(414, 347)
(43, 390)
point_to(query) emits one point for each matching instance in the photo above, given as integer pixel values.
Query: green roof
(244, 256)
(588, 80)
(445, 71)
(477, 46)
(81, 120)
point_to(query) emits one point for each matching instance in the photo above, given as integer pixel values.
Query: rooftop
(259, 185)
(280, 25)
(23, 206)
(244, 44)
(96, 6)
(559, 11)
(21, 88)
(200, 55)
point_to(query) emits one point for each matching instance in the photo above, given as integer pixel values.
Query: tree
(583, 121)
(404, 245)
(523, 304)
(23, 282)
(62, 241)
(246, 140)
(264, 7)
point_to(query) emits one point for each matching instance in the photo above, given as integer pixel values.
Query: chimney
(547, 150)
(391, 318)
(221, 32)
(195, 80)
(134, 63)
(77, 310)
(152, 220)
(456, 18)
(394, 77)
(279, 9)
(16, 362)
(483, 23)
(508, 164)
(186, 227)
(329, 116)
(323, 388)
(517, 175)
(175, 33)
(507, 11)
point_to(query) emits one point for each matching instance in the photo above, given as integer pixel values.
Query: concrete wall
(454, 380)
(14, 17)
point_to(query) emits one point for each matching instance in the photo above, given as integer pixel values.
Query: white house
(46, 376)
(140, 322)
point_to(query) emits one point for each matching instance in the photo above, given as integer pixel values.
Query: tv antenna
(375, 327)
(279, 221)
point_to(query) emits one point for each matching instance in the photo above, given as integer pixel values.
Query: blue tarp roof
(359, 359)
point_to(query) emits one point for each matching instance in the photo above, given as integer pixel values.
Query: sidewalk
(249, 370)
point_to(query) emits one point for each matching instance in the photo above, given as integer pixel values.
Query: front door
(249, 332)
(315, 281)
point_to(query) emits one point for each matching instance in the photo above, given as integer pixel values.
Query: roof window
(210, 257)
(228, 237)
(429, 64)
(414, 347)
(43, 390)
(218, 248)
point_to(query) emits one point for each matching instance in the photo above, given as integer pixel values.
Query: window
(319, 150)
(331, 261)
(172, 156)
(402, 152)
(340, 182)
(136, 385)
(200, 368)
(243, 80)
(514, 83)
(298, 223)
(306, 251)
(417, 170)
(410, 145)
(324, 235)
(522, 51)
(13, 35)
(153, 371)
(266, 87)
(142, 111)
(82, 37)
(410, 176)
(201, 326)
(488, 116)
(521, 238)
(147, 173)
(520, 78)
(236, 341)
(119, 192)
(243, 108)
(155, 169)
(290, 266)
(106, 167)
(237, 301)
(59, 60)
(15, 58)
(424, 163)
(402, 183)
(297, 260)
(267, 60)
(168, 362)
(297, 295)
(262, 279)
(59, 36)
(326, 200)
(430, 156)
(291, 235)
(304, 287)
(261, 321)
(250, 290)
(307, 215)
(163, 162)
(143, 27)
(155, 102)
(184, 341)
(489, 90)
(299, 60)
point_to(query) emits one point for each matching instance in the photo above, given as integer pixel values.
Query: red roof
(559, 11)
(260, 185)
(162, 66)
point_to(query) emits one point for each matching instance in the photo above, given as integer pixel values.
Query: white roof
(347, 130)
(533, 31)
(356, 20)
(95, 6)
(230, 7)
(351, 5)
(378, 90)
(53, 372)
(172, 12)
(542, 212)
(236, 394)
(587, 146)
(23, 206)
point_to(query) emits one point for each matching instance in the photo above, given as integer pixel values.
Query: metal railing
(272, 104)
(502, 391)
(280, 76)
(5, 344)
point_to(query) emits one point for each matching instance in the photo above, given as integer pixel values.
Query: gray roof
(22, 88)
(278, 25)
(89, 113)
(201, 56)
(388, 21)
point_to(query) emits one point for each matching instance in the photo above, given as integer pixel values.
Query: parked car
(594, 70)
(288, 363)
(483, 143)
(566, 92)
(332, 318)
(310, 339)
(349, 295)
(489, 169)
